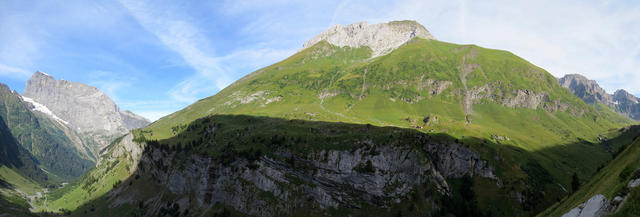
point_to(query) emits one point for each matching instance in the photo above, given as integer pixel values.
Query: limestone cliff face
(621, 101)
(324, 179)
(86, 109)
(382, 38)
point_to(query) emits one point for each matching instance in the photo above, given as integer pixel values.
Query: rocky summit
(88, 110)
(590, 91)
(382, 38)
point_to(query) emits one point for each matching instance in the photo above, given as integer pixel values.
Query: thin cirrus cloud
(177, 33)
(15, 72)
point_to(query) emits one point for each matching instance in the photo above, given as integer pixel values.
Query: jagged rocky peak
(382, 38)
(621, 101)
(624, 96)
(85, 108)
(588, 90)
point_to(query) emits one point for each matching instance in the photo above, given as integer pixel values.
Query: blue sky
(156, 57)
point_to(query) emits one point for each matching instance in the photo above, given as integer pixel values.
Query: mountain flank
(86, 109)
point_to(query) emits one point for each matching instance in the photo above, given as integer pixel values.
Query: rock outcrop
(382, 38)
(621, 101)
(278, 184)
(626, 104)
(86, 109)
(588, 90)
(597, 206)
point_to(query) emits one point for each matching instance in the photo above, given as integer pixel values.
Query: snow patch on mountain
(41, 108)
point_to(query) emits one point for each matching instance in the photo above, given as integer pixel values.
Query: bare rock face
(626, 104)
(588, 90)
(597, 206)
(332, 178)
(86, 109)
(382, 38)
(621, 101)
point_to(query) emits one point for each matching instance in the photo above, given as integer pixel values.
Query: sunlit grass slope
(610, 181)
(329, 83)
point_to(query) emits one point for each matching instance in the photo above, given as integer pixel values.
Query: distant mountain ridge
(87, 110)
(590, 91)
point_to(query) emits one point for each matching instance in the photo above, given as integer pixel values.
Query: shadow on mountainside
(13, 155)
(529, 182)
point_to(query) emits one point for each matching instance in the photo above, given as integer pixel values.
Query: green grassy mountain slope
(468, 90)
(611, 181)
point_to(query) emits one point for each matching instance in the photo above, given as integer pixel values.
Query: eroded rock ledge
(382, 38)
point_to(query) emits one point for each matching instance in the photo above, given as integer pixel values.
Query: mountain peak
(41, 76)
(382, 38)
(621, 101)
(39, 73)
(623, 96)
(87, 109)
(588, 90)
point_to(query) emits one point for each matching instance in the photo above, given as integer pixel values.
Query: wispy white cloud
(181, 33)
(13, 72)
(178, 33)
(110, 83)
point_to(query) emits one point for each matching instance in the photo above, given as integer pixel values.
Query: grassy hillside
(419, 80)
(610, 181)
(117, 164)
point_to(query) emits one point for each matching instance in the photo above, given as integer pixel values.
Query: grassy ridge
(96, 183)
(14, 187)
(313, 86)
(610, 181)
